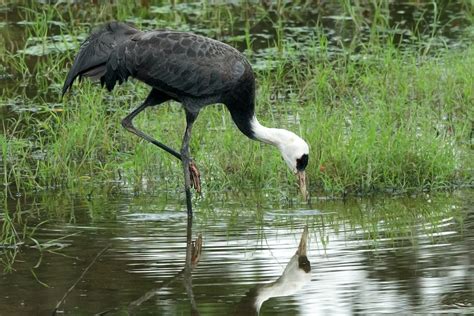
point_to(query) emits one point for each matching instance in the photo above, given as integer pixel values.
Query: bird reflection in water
(296, 274)
(193, 256)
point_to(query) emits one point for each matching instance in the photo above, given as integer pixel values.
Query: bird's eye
(304, 264)
(302, 162)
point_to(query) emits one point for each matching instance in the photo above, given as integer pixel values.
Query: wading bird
(191, 69)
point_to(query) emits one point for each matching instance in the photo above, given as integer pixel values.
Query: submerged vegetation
(384, 107)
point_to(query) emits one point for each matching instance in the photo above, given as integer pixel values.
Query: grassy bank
(377, 118)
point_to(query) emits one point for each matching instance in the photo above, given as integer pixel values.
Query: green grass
(377, 118)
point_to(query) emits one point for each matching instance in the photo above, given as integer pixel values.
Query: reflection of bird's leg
(196, 251)
(190, 118)
(193, 248)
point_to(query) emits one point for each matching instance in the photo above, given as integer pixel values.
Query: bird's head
(295, 152)
(294, 149)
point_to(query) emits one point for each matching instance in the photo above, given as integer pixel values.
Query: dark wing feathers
(96, 49)
(182, 64)
(177, 63)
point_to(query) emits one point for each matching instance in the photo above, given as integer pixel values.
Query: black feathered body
(185, 67)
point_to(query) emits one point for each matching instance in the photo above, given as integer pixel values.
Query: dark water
(448, 23)
(390, 255)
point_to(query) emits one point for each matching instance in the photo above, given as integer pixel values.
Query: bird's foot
(195, 176)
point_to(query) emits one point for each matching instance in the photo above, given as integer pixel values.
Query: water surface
(390, 255)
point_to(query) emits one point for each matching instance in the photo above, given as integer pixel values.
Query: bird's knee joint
(127, 124)
(185, 155)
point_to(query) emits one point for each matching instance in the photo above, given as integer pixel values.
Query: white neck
(272, 136)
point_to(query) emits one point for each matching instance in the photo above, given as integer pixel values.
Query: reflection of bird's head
(298, 269)
(296, 274)
(303, 262)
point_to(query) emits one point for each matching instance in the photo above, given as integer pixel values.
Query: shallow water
(393, 255)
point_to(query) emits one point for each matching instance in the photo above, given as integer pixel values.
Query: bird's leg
(190, 118)
(156, 98)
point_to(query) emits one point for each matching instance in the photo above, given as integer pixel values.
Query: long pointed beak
(303, 247)
(302, 184)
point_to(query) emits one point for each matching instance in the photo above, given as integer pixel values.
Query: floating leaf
(37, 46)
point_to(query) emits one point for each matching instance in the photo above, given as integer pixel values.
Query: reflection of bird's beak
(303, 247)
(302, 183)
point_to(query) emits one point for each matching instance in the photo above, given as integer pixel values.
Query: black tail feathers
(95, 51)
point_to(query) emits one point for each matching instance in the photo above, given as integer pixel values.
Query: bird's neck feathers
(291, 146)
(273, 136)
